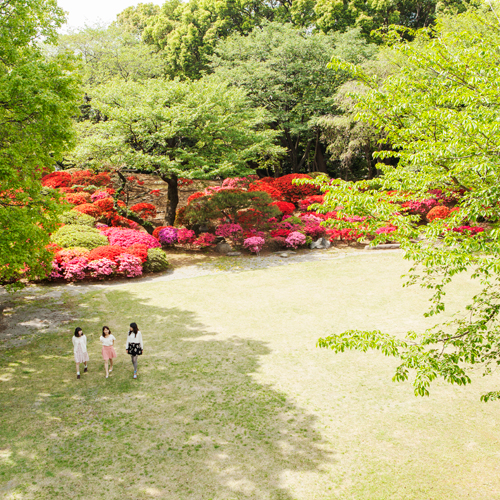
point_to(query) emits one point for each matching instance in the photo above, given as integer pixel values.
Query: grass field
(234, 401)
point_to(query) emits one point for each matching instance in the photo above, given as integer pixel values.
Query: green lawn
(234, 401)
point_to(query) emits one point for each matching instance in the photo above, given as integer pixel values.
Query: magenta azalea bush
(295, 239)
(128, 237)
(254, 244)
(168, 235)
(228, 230)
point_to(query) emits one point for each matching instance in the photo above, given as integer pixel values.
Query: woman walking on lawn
(108, 351)
(135, 345)
(80, 350)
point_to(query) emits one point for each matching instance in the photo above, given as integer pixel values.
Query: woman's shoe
(85, 370)
(135, 375)
(111, 369)
(78, 376)
(107, 376)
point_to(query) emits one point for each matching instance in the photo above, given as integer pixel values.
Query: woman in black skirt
(135, 345)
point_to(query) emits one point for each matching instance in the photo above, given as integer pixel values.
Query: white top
(107, 341)
(82, 341)
(132, 339)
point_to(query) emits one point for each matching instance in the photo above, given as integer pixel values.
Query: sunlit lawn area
(234, 401)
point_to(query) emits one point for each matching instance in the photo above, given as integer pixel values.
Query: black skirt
(134, 349)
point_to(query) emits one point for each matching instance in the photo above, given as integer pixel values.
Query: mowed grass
(234, 401)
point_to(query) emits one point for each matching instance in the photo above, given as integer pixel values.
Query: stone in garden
(233, 254)
(320, 243)
(223, 248)
(284, 255)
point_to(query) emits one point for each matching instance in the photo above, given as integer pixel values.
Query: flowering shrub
(100, 195)
(280, 233)
(184, 182)
(239, 182)
(122, 222)
(87, 178)
(185, 236)
(292, 192)
(89, 209)
(345, 234)
(254, 244)
(79, 236)
(386, 229)
(128, 237)
(250, 217)
(307, 202)
(271, 190)
(156, 261)
(205, 240)
(67, 254)
(129, 265)
(101, 268)
(144, 210)
(284, 207)
(77, 198)
(109, 252)
(419, 207)
(295, 239)
(138, 250)
(195, 196)
(314, 230)
(438, 213)
(168, 235)
(57, 180)
(354, 218)
(228, 230)
(469, 230)
(157, 230)
(72, 217)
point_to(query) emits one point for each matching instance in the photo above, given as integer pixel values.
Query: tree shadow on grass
(195, 425)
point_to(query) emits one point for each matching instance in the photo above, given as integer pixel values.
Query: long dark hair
(134, 327)
(104, 328)
(77, 331)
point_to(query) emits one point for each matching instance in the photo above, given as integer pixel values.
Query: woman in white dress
(80, 350)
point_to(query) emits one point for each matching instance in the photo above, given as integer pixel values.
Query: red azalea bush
(89, 209)
(205, 240)
(57, 180)
(138, 250)
(421, 207)
(128, 237)
(88, 178)
(284, 207)
(110, 252)
(195, 196)
(345, 234)
(307, 202)
(122, 222)
(185, 236)
(77, 198)
(437, 213)
(468, 230)
(272, 191)
(144, 210)
(184, 182)
(250, 217)
(292, 192)
(105, 204)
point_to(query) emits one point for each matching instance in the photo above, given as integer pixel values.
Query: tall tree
(194, 130)
(285, 70)
(37, 102)
(441, 112)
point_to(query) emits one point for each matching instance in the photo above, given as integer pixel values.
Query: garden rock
(223, 248)
(233, 254)
(284, 255)
(320, 243)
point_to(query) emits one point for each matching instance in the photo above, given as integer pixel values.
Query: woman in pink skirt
(108, 351)
(80, 350)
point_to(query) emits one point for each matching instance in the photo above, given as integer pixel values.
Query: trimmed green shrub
(73, 217)
(74, 235)
(157, 261)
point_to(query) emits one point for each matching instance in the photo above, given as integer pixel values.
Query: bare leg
(111, 364)
(106, 367)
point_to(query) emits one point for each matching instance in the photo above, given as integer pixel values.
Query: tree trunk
(319, 159)
(173, 198)
(292, 151)
(369, 160)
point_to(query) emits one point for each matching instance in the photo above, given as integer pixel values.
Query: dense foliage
(441, 111)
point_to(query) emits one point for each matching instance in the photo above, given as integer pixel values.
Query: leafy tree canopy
(37, 102)
(195, 130)
(440, 111)
(285, 70)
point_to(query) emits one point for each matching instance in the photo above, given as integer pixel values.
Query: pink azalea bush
(386, 229)
(101, 268)
(228, 230)
(254, 244)
(168, 235)
(100, 195)
(295, 239)
(205, 240)
(185, 236)
(129, 265)
(128, 237)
